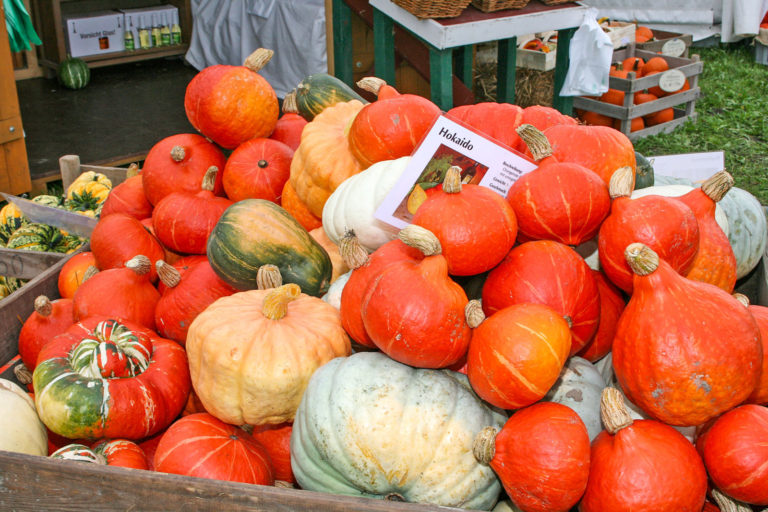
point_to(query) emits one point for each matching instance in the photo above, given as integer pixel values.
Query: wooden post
(342, 42)
(563, 103)
(383, 46)
(505, 70)
(441, 77)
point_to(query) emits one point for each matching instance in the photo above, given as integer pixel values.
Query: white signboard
(693, 166)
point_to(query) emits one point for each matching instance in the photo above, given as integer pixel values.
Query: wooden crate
(621, 33)
(668, 43)
(684, 103)
(534, 59)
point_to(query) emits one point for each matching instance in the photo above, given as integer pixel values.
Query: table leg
(441, 77)
(562, 103)
(505, 70)
(342, 42)
(384, 47)
(464, 60)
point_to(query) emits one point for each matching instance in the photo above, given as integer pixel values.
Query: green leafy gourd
(320, 91)
(73, 73)
(370, 426)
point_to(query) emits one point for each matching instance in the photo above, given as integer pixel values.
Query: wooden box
(683, 102)
(621, 33)
(668, 43)
(534, 59)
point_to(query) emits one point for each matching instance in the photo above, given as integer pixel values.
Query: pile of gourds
(215, 329)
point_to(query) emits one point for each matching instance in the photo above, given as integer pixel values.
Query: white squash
(748, 231)
(333, 295)
(579, 387)
(20, 427)
(352, 205)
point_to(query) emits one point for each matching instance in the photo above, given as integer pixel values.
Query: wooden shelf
(110, 59)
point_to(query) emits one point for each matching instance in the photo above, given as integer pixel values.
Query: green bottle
(165, 31)
(128, 39)
(175, 29)
(156, 40)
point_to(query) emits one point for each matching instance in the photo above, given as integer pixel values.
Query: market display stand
(49, 15)
(443, 37)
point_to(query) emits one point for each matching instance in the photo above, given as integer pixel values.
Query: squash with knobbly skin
(370, 426)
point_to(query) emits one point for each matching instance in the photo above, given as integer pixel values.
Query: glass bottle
(130, 44)
(144, 35)
(165, 31)
(176, 29)
(155, 31)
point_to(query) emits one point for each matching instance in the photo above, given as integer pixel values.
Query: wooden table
(444, 37)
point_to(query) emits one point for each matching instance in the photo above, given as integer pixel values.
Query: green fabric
(19, 25)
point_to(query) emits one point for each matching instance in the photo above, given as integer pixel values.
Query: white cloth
(226, 32)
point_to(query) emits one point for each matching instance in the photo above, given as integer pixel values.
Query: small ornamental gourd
(109, 452)
(392, 126)
(541, 456)
(413, 311)
(184, 233)
(735, 453)
(642, 466)
(370, 426)
(73, 73)
(476, 227)
(317, 92)
(119, 237)
(21, 430)
(257, 169)
(549, 273)
(104, 378)
(714, 262)
(233, 104)
(664, 224)
(241, 345)
(760, 314)
(41, 237)
(202, 446)
(497, 120)
(560, 201)
(87, 192)
(684, 351)
(49, 319)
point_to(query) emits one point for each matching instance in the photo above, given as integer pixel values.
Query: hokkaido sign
(482, 160)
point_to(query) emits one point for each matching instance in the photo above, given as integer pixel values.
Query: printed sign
(672, 80)
(482, 160)
(673, 48)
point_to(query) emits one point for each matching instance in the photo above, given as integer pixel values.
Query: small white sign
(672, 80)
(693, 166)
(483, 161)
(673, 48)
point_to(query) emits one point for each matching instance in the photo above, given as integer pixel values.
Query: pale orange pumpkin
(324, 158)
(339, 266)
(251, 354)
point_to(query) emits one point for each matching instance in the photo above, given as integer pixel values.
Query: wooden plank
(562, 103)
(329, 35)
(71, 168)
(14, 167)
(26, 264)
(32, 483)
(662, 37)
(680, 119)
(383, 47)
(10, 129)
(633, 111)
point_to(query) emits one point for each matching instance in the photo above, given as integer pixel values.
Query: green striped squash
(73, 73)
(8, 285)
(38, 237)
(255, 232)
(320, 91)
(8, 227)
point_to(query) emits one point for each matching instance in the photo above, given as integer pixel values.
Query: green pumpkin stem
(139, 264)
(473, 312)
(642, 260)
(43, 306)
(22, 373)
(741, 298)
(178, 153)
(536, 141)
(484, 445)
(353, 254)
(613, 411)
(420, 238)
(276, 302)
(209, 180)
(728, 504)
(371, 84)
(258, 59)
(621, 182)
(268, 276)
(452, 180)
(289, 103)
(717, 185)
(168, 274)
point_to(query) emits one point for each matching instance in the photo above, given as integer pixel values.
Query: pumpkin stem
(284, 485)
(421, 239)
(89, 273)
(613, 411)
(268, 276)
(289, 103)
(353, 254)
(641, 259)
(139, 264)
(275, 305)
(178, 153)
(728, 504)
(741, 298)
(209, 180)
(569, 321)
(717, 185)
(536, 141)
(132, 170)
(168, 274)
(43, 306)
(620, 184)
(393, 496)
(452, 180)
(473, 312)
(371, 84)
(22, 373)
(484, 445)
(258, 59)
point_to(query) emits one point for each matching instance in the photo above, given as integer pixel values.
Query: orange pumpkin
(595, 119)
(760, 314)
(655, 65)
(72, 273)
(298, 210)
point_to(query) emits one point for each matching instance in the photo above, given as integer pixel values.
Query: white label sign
(672, 80)
(673, 48)
(693, 166)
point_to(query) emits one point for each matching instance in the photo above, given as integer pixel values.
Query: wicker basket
(497, 5)
(433, 8)
(556, 2)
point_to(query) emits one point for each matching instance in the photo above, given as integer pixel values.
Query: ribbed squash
(324, 158)
(39, 237)
(11, 219)
(8, 285)
(319, 91)
(88, 191)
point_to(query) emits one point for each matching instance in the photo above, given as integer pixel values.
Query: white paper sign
(672, 80)
(673, 48)
(693, 166)
(483, 162)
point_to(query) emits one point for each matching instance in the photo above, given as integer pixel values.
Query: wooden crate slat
(71, 168)
(619, 112)
(26, 264)
(622, 84)
(680, 119)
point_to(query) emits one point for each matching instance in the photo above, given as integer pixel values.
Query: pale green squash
(747, 232)
(370, 426)
(579, 387)
(333, 295)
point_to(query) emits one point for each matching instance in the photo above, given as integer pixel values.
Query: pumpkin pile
(576, 343)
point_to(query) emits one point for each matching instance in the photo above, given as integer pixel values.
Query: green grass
(732, 117)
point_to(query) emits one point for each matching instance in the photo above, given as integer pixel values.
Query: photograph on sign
(482, 160)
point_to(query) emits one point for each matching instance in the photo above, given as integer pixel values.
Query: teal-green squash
(579, 387)
(256, 232)
(644, 172)
(747, 228)
(320, 91)
(39, 237)
(370, 426)
(73, 73)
